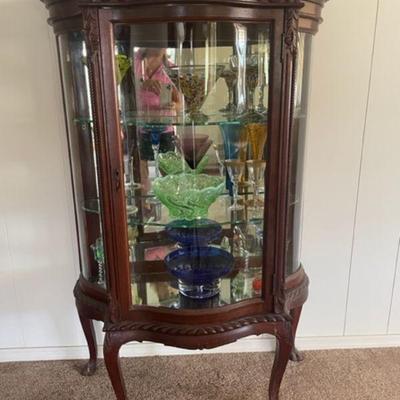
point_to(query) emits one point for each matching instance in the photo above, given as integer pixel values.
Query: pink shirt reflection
(149, 100)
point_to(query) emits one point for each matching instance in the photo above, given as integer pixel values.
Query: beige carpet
(372, 374)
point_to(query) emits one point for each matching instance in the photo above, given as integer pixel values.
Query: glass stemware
(235, 170)
(98, 253)
(155, 138)
(230, 77)
(257, 137)
(263, 61)
(256, 172)
(129, 177)
(261, 107)
(155, 134)
(252, 81)
(194, 147)
(221, 166)
(195, 82)
(235, 144)
(231, 136)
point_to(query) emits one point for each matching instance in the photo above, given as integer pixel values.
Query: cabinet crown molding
(67, 14)
(252, 3)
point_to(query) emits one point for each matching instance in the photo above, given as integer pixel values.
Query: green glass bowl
(188, 196)
(171, 163)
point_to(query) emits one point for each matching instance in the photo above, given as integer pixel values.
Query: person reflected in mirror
(157, 92)
(157, 101)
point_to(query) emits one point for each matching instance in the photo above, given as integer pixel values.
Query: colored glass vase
(199, 269)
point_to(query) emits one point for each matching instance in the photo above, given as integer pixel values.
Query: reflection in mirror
(193, 101)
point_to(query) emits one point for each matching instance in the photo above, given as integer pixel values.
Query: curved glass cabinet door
(193, 102)
(72, 52)
(293, 243)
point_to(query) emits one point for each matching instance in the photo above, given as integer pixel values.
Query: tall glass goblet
(235, 170)
(234, 144)
(230, 77)
(155, 134)
(155, 137)
(257, 137)
(263, 61)
(231, 136)
(261, 107)
(195, 82)
(130, 183)
(252, 80)
(256, 172)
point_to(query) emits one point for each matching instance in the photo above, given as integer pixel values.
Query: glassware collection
(186, 133)
(194, 138)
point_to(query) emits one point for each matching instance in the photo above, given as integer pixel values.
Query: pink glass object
(194, 148)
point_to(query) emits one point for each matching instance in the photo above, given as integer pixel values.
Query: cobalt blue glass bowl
(199, 269)
(198, 232)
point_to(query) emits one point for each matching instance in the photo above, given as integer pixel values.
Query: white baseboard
(250, 344)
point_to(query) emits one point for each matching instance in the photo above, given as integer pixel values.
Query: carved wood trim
(179, 330)
(288, 59)
(297, 296)
(91, 28)
(88, 306)
(65, 15)
(291, 35)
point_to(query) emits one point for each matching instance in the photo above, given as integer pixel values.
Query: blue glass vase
(199, 269)
(198, 233)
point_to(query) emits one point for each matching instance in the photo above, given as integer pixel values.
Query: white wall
(351, 230)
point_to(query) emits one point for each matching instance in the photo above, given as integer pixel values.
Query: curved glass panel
(193, 101)
(75, 80)
(293, 242)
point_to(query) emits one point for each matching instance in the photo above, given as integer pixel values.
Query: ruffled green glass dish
(188, 196)
(171, 164)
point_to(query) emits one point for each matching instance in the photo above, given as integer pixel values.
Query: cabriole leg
(284, 344)
(88, 329)
(295, 355)
(112, 344)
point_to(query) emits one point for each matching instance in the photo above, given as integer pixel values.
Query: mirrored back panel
(193, 103)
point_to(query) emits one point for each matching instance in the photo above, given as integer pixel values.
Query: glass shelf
(160, 289)
(156, 215)
(83, 120)
(158, 119)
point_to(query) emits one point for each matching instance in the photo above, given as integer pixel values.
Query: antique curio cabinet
(186, 127)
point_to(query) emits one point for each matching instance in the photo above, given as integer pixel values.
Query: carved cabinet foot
(284, 345)
(91, 366)
(112, 344)
(295, 355)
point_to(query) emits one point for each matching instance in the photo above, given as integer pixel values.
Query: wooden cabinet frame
(278, 310)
